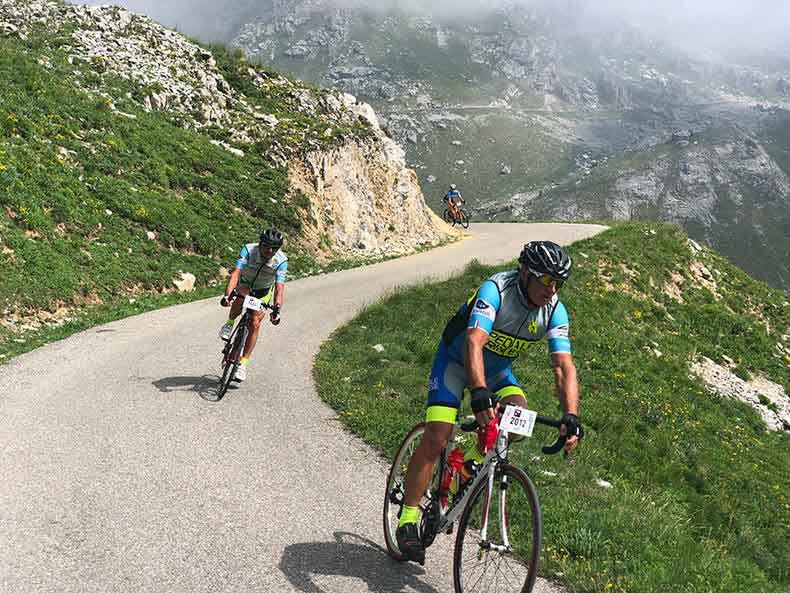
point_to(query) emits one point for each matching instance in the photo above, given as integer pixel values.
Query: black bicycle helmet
(272, 238)
(545, 257)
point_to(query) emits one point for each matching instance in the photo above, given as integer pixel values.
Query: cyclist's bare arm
(233, 281)
(566, 382)
(279, 293)
(475, 371)
(567, 387)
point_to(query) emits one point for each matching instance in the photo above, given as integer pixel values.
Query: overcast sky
(736, 26)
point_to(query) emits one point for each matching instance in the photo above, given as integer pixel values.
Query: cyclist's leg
(447, 383)
(255, 322)
(507, 389)
(235, 308)
(444, 396)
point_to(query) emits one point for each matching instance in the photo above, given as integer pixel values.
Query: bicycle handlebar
(235, 294)
(558, 445)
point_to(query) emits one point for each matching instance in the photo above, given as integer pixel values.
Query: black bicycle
(497, 547)
(234, 347)
(461, 219)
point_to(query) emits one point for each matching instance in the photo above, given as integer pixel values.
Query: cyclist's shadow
(366, 561)
(206, 386)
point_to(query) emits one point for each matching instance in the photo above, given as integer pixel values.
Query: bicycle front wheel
(463, 219)
(231, 360)
(505, 558)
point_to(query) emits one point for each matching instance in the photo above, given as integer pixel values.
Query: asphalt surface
(117, 474)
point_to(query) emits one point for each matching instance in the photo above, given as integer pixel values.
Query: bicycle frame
(497, 455)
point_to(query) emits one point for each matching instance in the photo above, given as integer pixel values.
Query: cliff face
(362, 196)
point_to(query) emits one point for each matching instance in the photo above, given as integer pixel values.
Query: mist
(732, 29)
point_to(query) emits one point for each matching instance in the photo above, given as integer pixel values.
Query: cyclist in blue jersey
(453, 199)
(508, 314)
(260, 271)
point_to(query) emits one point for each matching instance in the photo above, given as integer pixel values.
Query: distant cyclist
(508, 314)
(453, 199)
(260, 271)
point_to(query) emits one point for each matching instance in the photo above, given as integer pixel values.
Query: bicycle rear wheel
(233, 352)
(446, 216)
(463, 219)
(396, 489)
(507, 559)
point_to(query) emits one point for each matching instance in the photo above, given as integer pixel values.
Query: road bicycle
(462, 218)
(234, 346)
(497, 546)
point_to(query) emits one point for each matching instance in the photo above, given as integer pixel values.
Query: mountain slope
(133, 162)
(506, 101)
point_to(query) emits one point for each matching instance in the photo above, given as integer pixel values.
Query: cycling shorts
(448, 380)
(264, 295)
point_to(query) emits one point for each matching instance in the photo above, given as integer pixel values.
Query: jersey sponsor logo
(533, 328)
(561, 331)
(483, 309)
(506, 345)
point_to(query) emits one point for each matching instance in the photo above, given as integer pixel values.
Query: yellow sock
(244, 360)
(408, 515)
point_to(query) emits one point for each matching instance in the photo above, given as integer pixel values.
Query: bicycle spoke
(490, 564)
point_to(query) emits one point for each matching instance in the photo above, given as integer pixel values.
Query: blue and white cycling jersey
(452, 196)
(258, 274)
(499, 309)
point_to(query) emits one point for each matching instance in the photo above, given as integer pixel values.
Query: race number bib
(518, 420)
(250, 302)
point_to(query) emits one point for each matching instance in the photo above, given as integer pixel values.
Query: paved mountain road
(117, 476)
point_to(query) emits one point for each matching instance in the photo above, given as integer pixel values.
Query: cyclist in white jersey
(508, 314)
(260, 271)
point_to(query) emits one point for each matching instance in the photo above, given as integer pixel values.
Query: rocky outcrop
(766, 397)
(366, 173)
(390, 220)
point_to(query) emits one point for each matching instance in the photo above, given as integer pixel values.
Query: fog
(732, 28)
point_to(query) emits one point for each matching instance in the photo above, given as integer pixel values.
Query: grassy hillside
(102, 202)
(700, 499)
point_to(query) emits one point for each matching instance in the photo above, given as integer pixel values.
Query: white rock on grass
(186, 283)
(775, 412)
(378, 348)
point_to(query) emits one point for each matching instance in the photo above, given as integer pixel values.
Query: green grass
(700, 490)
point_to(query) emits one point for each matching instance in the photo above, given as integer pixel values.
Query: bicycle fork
(500, 452)
(487, 472)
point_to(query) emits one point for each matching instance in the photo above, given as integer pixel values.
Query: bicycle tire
(463, 219)
(523, 563)
(232, 358)
(447, 218)
(395, 489)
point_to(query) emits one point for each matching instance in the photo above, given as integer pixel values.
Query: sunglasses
(547, 280)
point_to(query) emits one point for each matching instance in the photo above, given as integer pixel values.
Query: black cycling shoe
(409, 542)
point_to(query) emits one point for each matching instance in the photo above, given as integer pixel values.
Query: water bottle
(450, 476)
